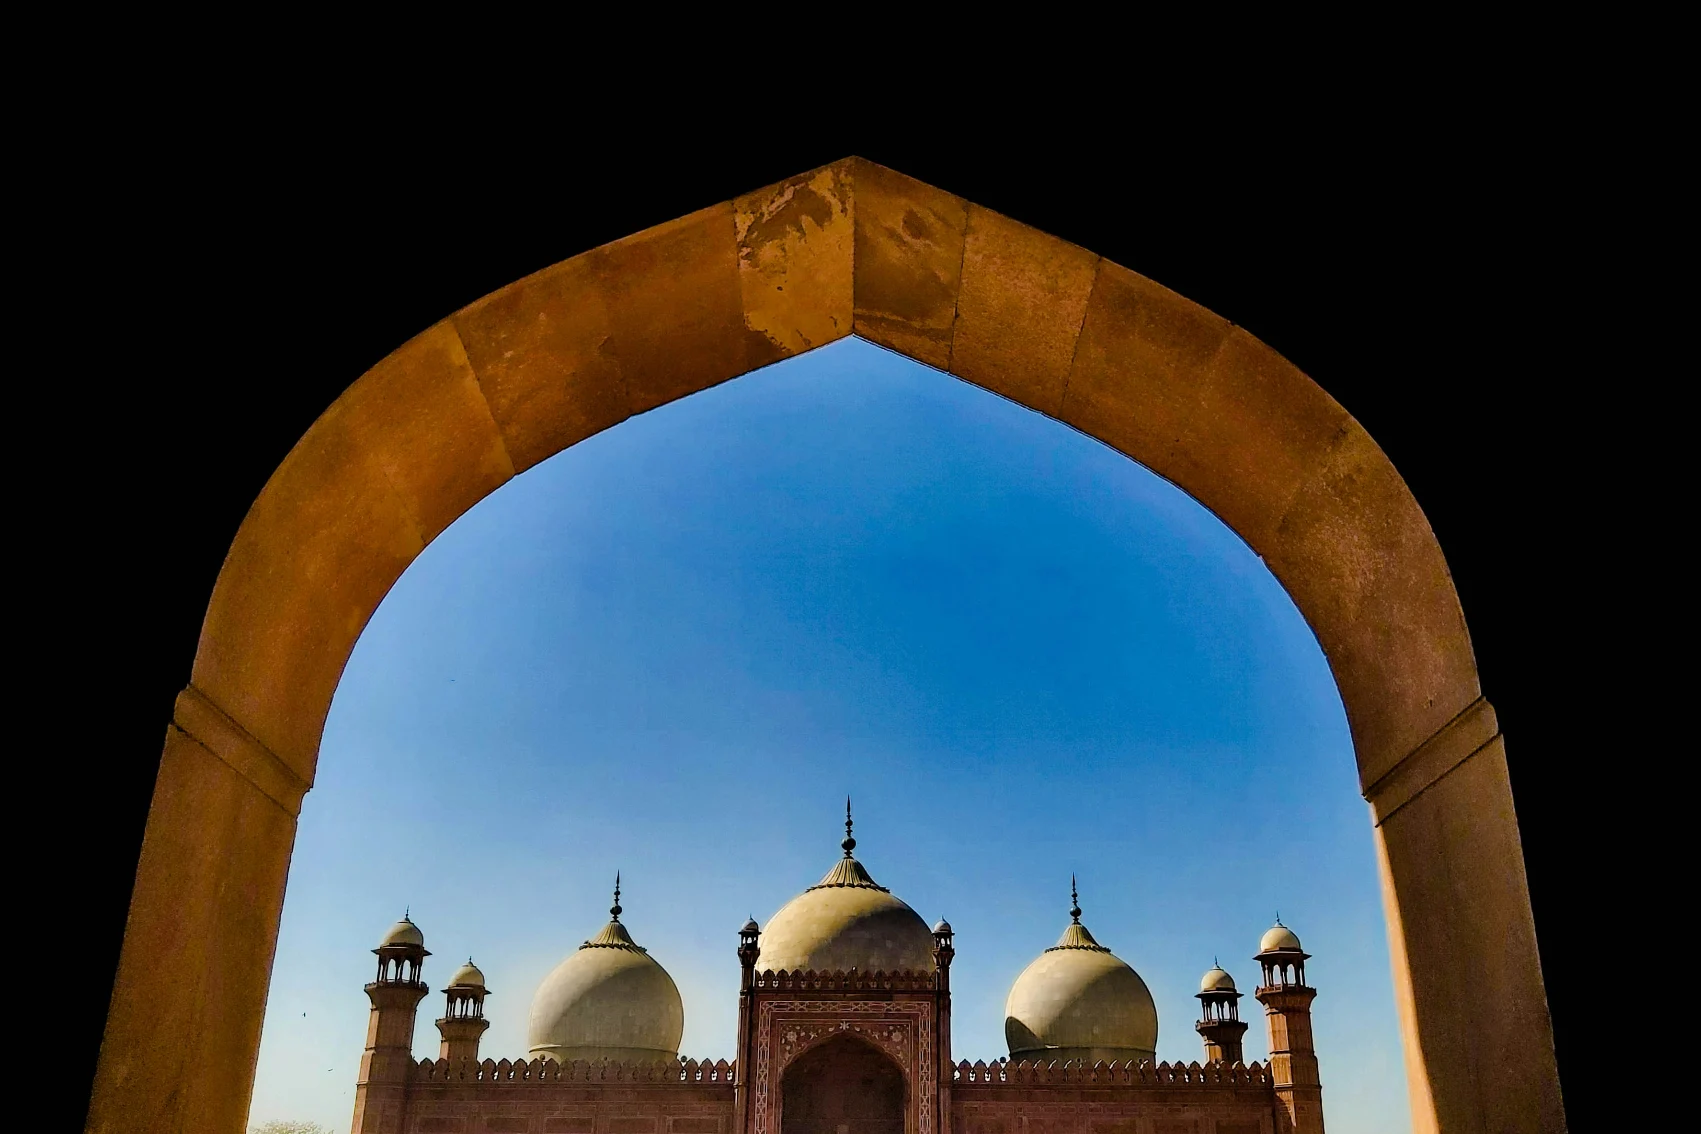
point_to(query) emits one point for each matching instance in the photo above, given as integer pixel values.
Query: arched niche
(843, 1084)
(851, 248)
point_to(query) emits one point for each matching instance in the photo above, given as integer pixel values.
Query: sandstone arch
(850, 248)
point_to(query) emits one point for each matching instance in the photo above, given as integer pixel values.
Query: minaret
(1287, 1011)
(748, 951)
(943, 952)
(463, 1019)
(380, 1095)
(1220, 1025)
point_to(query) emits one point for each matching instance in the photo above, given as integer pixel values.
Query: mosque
(844, 1027)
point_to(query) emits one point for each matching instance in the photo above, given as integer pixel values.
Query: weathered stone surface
(312, 560)
(540, 348)
(795, 244)
(1466, 933)
(184, 1027)
(1140, 371)
(1022, 302)
(1209, 407)
(909, 261)
(676, 311)
(422, 416)
(1198, 401)
(1359, 558)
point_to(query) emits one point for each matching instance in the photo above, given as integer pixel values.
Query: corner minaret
(380, 1091)
(463, 1021)
(1220, 1025)
(1287, 1011)
(943, 952)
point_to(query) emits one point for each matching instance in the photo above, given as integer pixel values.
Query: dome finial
(849, 843)
(1278, 917)
(1074, 902)
(614, 911)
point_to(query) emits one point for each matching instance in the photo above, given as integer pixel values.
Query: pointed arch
(851, 248)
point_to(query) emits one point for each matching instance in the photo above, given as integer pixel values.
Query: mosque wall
(544, 1097)
(1165, 1098)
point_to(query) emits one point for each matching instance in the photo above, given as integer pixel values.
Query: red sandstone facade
(834, 1053)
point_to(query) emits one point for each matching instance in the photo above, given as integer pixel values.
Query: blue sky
(674, 648)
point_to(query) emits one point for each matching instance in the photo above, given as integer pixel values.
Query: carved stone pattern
(787, 1028)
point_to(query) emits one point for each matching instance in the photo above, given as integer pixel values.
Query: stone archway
(843, 1086)
(851, 248)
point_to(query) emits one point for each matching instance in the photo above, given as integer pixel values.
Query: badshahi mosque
(844, 1027)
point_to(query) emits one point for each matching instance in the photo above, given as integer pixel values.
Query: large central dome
(846, 921)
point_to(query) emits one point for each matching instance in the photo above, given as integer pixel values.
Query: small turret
(463, 1021)
(943, 950)
(1220, 1025)
(748, 948)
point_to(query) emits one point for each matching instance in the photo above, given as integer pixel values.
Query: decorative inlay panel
(785, 1029)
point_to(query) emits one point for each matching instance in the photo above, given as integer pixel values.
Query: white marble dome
(1279, 938)
(404, 932)
(607, 1000)
(1216, 979)
(1080, 1001)
(846, 921)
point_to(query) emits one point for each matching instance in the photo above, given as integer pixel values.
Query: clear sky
(674, 648)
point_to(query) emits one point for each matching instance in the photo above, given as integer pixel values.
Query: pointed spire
(1075, 935)
(614, 934)
(848, 871)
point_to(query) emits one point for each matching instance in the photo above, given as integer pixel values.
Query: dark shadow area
(844, 1086)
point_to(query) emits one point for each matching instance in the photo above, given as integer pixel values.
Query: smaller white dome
(1279, 938)
(404, 932)
(942, 928)
(1216, 980)
(1080, 1001)
(468, 976)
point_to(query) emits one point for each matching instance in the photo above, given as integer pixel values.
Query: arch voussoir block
(909, 263)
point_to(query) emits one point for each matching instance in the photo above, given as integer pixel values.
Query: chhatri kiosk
(844, 1027)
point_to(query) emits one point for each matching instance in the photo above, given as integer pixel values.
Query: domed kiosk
(608, 1000)
(847, 921)
(1080, 1001)
(469, 976)
(1219, 1023)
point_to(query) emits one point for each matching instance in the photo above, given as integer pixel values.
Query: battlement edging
(685, 1072)
(1143, 1073)
(851, 980)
